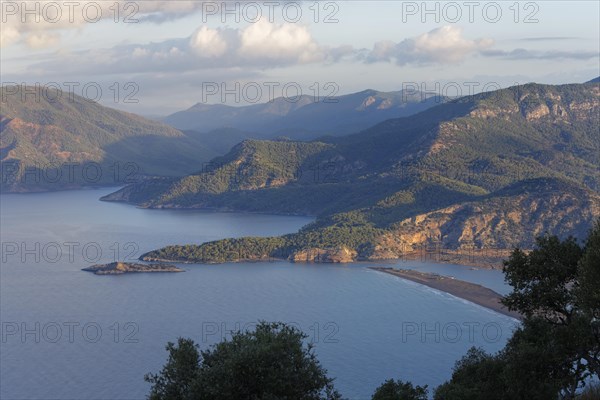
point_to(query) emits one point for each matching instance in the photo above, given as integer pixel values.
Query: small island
(118, 268)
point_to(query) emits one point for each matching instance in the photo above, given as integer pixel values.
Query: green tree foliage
(477, 376)
(182, 367)
(268, 363)
(220, 251)
(541, 362)
(542, 279)
(518, 372)
(587, 293)
(398, 390)
(555, 350)
(264, 248)
(556, 287)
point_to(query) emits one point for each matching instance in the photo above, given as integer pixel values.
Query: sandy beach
(472, 292)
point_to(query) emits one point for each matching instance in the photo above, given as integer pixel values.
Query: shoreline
(223, 210)
(471, 292)
(459, 259)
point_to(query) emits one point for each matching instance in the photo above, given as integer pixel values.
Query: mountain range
(50, 140)
(306, 117)
(490, 170)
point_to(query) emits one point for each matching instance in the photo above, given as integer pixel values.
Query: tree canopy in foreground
(268, 363)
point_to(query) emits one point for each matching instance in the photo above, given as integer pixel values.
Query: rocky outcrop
(118, 268)
(339, 255)
(511, 218)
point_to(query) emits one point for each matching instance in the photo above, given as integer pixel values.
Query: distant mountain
(55, 141)
(595, 80)
(306, 117)
(208, 117)
(219, 141)
(494, 169)
(52, 141)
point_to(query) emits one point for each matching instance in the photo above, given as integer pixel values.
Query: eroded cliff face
(500, 223)
(539, 103)
(338, 255)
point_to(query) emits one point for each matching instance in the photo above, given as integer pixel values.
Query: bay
(70, 334)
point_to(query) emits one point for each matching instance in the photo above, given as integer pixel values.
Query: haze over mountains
(53, 140)
(495, 169)
(306, 117)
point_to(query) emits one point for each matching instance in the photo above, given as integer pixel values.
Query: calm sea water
(69, 334)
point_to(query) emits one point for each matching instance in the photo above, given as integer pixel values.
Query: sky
(158, 57)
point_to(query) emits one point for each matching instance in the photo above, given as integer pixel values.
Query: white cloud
(140, 52)
(41, 40)
(261, 45)
(8, 35)
(445, 45)
(209, 43)
(47, 16)
(383, 51)
(278, 42)
(524, 54)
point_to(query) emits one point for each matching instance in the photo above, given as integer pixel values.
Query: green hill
(53, 140)
(471, 160)
(499, 221)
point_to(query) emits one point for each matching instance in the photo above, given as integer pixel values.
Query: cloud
(46, 20)
(264, 40)
(548, 38)
(59, 17)
(140, 52)
(444, 45)
(8, 35)
(41, 40)
(209, 43)
(261, 45)
(382, 51)
(524, 54)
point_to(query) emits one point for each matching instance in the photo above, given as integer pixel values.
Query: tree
(591, 392)
(271, 362)
(537, 363)
(542, 279)
(555, 350)
(587, 294)
(519, 372)
(476, 376)
(182, 367)
(556, 288)
(398, 390)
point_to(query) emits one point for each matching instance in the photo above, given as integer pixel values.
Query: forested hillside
(494, 169)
